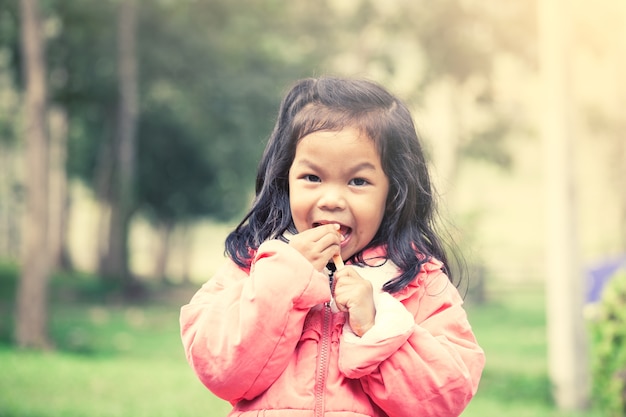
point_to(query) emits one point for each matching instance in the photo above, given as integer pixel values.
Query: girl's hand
(355, 296)
(318, 244)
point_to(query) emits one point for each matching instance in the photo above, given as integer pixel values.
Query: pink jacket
(269, 341)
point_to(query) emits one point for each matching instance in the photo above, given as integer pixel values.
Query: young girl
(280, 330)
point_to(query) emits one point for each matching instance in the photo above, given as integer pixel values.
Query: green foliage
(174, 181)
(9, 100)
(83, 78)
(210, 76)
(8, 283)
(609, 348)
(9, 35)
(8, 280)
(207, 101)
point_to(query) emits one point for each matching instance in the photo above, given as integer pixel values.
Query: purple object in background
(601, 273)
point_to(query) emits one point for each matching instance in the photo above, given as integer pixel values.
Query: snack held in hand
(338, 261)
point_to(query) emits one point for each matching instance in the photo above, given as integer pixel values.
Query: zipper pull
(331, 277)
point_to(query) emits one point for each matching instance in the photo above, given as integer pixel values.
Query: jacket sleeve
(430, 367)
(240, 330)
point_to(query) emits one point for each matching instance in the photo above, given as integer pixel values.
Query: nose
(332, 198)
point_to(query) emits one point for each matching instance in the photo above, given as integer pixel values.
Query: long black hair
(314, 104)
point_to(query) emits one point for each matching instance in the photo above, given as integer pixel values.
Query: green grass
(110, 360)
(114, 359)
(515, 381)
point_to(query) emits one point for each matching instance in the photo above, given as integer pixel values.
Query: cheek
(376, 217)
(298, 212)
(371, 219)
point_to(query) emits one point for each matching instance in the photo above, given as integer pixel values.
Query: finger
(329, 245)
(326, 227)
(341, 305)
(322, 238)
(316, 233)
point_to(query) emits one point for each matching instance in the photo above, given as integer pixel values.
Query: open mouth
(345, 231)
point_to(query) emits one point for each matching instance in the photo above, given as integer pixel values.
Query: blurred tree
(461, 41)
(10, 193)
(84, 82)
(114, 263)
(209, 83)
(31, 326)
(59, 191)
(10, 111)
(216, 74)
(208, 98)
(9, 42)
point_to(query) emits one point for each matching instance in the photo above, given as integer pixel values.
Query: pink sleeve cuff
(359, 356)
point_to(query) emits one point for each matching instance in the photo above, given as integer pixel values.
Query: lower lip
(346, 241)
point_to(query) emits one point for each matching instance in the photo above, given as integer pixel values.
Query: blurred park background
(129, 137)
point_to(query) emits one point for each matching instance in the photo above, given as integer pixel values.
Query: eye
(359, 182)
(311, 178)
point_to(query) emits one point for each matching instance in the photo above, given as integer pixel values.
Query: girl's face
(337, 177)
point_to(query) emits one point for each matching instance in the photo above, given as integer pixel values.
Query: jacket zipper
(322, 368)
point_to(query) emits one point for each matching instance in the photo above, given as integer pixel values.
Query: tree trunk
(187, 248)
(117, 262)
(59, 258)
(32, 305)
(103, 188)
(567, 354)
(163, 255)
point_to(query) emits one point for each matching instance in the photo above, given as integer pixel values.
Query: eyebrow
(356, 168)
